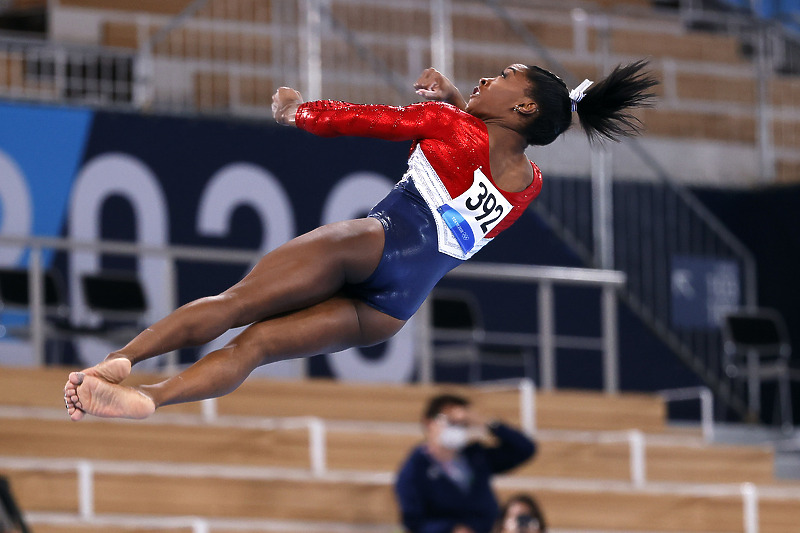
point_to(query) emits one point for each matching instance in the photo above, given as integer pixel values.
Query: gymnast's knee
(209, 316)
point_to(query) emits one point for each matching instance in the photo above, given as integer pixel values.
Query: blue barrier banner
(41, 149)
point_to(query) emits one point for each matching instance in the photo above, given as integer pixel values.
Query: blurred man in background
(444, 485)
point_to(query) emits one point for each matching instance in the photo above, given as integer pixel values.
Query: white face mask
(453, 437)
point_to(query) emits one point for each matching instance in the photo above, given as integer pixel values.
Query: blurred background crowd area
(729, 95)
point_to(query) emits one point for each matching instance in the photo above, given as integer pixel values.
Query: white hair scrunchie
(577, 94)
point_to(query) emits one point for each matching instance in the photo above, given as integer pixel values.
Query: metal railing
(545, 278)
(702, 395)
(39, 70)
(167, 299)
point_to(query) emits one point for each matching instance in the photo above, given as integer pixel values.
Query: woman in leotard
(355, 283)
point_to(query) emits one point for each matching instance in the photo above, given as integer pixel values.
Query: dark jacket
(430, 502)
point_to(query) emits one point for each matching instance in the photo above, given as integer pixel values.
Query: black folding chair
(757, 348)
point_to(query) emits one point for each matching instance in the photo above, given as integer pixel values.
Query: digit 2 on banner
(473, 214)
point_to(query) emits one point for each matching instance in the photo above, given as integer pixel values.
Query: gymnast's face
(499, 96)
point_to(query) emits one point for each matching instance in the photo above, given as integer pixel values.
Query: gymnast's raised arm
(331, 118)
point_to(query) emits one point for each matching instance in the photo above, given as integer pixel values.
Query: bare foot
(90, 395)
(111, 370)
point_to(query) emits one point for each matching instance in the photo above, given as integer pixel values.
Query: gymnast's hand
(433, 85)
(284, 105)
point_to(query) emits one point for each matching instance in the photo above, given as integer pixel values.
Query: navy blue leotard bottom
(411, 264)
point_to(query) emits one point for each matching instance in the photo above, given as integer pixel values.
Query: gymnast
(355, 283)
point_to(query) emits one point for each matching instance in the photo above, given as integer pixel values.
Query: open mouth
(476, 91)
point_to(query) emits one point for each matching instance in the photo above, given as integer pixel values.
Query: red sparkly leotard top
(449, 147)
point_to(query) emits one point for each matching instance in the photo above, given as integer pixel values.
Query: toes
(71, 400)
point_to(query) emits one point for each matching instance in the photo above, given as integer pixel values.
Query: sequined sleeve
(327, 118)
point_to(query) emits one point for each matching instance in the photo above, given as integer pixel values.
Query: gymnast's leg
(300, 273)
(328, 326)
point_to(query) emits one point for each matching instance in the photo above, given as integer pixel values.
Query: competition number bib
(476, 212)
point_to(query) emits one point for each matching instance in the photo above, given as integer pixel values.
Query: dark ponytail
(603, 111)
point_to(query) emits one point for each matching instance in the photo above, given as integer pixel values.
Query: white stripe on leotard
(435, 194)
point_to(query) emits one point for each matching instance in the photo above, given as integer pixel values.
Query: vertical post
(637, 458)
(749, 507)
(85, 490)
(608, 318)
(208, 409)
(143, 68)
(442, 36)
(527, 406)
(707, 413)
(37, 305)
(602, 208)
(580, 32)
(311, 49)
(766, 148)
(547, 367)
(424, 341)
(60, 66)
(753, 384)
(317, 446)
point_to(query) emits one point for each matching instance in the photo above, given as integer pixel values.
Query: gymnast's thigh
(335, 324)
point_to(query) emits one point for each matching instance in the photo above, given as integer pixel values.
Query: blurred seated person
(520, 514)
(444, 484)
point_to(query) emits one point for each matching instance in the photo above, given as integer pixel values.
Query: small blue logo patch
(458, 226)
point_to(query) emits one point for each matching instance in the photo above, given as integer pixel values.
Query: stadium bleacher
(232, 51)
(250, 468)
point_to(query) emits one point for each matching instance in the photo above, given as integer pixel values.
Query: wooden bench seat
(785, 91)
(480, 28)
(690, 46)
(710, 125)
(157, 7)
(192, 43)
(104, 528)
(248, 10)
(361, 502)
(401, 19)
(694, 86)
(363, 451)
(382, 403)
